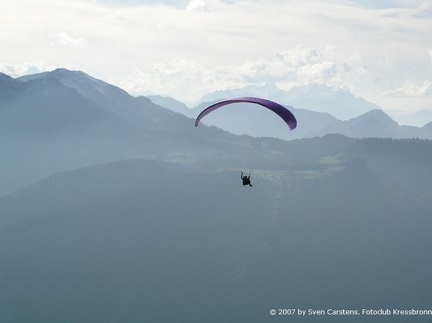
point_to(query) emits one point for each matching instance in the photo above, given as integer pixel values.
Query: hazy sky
(380, 50)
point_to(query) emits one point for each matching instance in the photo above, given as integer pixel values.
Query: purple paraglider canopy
(280, 110)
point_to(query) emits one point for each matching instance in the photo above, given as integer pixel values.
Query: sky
(378, 50)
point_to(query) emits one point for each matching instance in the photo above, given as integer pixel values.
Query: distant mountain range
(321, 98)
(315, 97)
(314, 108)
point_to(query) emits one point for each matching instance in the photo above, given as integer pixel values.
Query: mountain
(138, 111)
(332, 226)
(315, 97)
(46, 127)
(341, 104)
(376, 123)
(319, 110)
(61, 120)
(7, 87)
(321, 98)
(253, 120)
(268, 90)
(257, 122)
(172, 104)
(416, 118)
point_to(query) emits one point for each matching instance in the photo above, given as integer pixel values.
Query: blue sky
(379, 50)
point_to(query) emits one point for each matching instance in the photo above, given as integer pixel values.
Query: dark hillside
(149, 241)
(49, 128)
(405, 162)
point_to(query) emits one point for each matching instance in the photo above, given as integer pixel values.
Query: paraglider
(246, 179)
(280, 110)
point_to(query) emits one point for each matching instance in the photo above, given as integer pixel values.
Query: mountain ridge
(58, 126)
(315, 97)
(250, 120)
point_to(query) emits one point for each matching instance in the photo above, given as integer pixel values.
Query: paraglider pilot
(246, 179)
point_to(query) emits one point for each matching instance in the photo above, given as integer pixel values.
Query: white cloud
(317, 73)
(180, 78)
(411, 89)
(300, 56)
(189, 81)
(196, 5)
(20, 69)
(64, 39)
